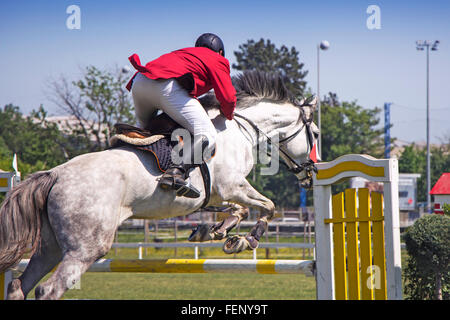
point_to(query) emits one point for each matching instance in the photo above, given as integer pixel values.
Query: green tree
(427, 271)
(349, 128)
(38, 143)
(446, 208)
(265, 56)
(412, 160)
(282, 188)
(95, 103)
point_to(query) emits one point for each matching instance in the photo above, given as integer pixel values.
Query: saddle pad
(159, 146)
(162, 150)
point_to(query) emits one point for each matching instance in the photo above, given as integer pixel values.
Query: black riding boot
(175, 178)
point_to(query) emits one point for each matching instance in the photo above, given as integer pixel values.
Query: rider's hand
(228, 117)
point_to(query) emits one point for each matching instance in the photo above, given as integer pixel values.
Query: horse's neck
(239, 138)
(271, 119)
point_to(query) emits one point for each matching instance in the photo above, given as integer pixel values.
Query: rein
(297, 168)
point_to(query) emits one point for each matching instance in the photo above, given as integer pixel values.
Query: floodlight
(324, 45)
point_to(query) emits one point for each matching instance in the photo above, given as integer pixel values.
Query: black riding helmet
(211, 41)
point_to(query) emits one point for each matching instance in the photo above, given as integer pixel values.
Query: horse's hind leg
(66, 275)
(75, 261)
(220, 230)
(41, 263)
(84, 226)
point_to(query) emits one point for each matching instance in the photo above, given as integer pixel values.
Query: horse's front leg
(221, 229)
(246, 195)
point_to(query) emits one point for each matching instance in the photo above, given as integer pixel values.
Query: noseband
(309, 166)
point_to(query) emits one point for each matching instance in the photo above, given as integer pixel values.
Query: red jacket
(208, 69)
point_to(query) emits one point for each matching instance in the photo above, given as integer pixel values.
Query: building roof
(442, 186)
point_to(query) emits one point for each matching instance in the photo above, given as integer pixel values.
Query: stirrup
(187, 190)
(183, 190)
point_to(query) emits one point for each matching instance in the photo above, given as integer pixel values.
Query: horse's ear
(300, 102)
(313, 102)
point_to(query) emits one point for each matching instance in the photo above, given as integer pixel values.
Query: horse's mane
(253, 87)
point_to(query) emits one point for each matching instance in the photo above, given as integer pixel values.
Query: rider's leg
(189, 113)
(146, 97)
(175, 101)
(175, 177)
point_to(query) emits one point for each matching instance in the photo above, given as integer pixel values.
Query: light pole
(324, 45)
(421, 45)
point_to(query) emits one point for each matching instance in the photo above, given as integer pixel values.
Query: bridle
(293, 167)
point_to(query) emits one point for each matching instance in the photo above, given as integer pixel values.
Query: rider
(172, 83)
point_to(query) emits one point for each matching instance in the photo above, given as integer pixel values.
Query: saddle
(155, 138)
(157, 128)
(156, 141)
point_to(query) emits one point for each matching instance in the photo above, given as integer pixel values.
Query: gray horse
(69, 214)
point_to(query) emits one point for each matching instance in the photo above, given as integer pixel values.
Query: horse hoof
(252, 243)
(15, 290)
(219, 236)
(235, 244)
(201, 233)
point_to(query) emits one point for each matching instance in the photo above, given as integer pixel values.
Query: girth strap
(204, 169)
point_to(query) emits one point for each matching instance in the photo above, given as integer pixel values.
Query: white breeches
(167, 95)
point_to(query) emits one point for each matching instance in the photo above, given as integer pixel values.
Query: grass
(133, 286)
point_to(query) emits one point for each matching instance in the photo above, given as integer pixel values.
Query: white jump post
(7, 181)
(340, 169)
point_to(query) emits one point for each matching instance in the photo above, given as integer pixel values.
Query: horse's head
(298, 142)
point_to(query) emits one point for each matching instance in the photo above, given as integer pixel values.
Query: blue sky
(370, 66)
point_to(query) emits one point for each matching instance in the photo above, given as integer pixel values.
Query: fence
(348, 267)
(196, 246)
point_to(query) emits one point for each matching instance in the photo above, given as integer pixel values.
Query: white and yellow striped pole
(199, 266)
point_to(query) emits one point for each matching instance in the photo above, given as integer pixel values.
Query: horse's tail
(20, 217)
